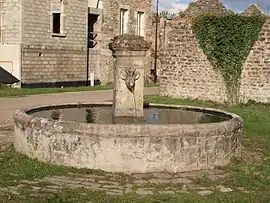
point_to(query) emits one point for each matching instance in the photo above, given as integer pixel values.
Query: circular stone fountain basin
(170, 138)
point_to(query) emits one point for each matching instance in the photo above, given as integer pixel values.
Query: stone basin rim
(129, 148)
(234, 119)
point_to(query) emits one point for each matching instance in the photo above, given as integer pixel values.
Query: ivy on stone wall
(227, 41)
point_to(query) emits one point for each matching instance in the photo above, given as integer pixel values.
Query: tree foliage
(227, 41)
(167, 14)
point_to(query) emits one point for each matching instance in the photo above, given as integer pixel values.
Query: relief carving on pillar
(130, 77)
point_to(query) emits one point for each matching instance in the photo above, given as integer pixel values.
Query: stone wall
(255, 79)
(49, 57)
(12, 21)
(204, 6)
(186, 72)
(252, 10)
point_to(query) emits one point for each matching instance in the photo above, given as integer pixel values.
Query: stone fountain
(127, 135)
(129, 52)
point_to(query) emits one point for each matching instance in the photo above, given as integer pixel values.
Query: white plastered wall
(10, 59)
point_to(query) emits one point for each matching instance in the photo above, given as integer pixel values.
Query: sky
(235, 5)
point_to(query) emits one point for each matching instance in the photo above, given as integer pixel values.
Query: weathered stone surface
(160, 181)
(36, 188)
(11, 21)
(21, 186)
(60, 180)
(161, 175)
(255, 83)
(131, 148)
(6, 137)
(14, 192)
(90, 185)
(115, 192)
(29, 182)
(166, 192)
(212, 177)
(205, 192)
(129, 52)
(83, 179)
(144, 191)
(53, 186)
(186, 72)
(219, 186)
(89, 177)
(204, 188)
(140, 182)
(50, 190)
(181, 181)
(253, 10)
(129, 185)
(182, 191)
(242, 189)
(113, 187)
(50, 187)
(3, 189)
(139, 176)
(108, 182)
(129, 42)
(204, 6)
(128, 191)
(225, 190)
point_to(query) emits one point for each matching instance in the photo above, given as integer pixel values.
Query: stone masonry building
(65, 42)
(116, 17)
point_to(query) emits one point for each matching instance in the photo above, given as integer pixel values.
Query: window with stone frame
(58, 16)
(123, 21)
(56, 22)
(140, 23)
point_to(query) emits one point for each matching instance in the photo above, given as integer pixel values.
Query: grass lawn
(15, 92)
(251, 172)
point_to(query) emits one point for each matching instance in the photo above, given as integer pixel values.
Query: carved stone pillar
(129, 52)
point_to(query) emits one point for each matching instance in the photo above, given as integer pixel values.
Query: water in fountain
(104, 115)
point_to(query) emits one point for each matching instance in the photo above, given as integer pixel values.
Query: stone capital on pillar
(129, 52)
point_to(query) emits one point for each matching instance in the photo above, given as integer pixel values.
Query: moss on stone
(130, 42)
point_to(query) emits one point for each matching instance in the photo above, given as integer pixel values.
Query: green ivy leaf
(227, 42)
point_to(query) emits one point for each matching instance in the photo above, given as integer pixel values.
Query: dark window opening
(56, 23)
(92, 19)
